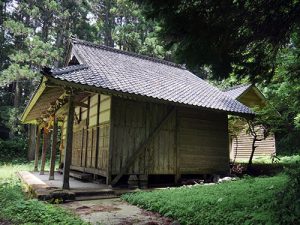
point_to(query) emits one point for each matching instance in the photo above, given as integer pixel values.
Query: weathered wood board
(91, 135)
(202, 142)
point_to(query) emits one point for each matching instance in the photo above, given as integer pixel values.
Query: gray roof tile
(127, 72)
(236, 91)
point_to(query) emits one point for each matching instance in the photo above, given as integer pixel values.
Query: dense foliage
(247, 201)
(13, 149)
(17, 209)
(33, 34)
(230, 36)
(288, 200)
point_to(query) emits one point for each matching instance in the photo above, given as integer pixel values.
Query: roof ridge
(68, 69)
(107, 48)
(237, 86)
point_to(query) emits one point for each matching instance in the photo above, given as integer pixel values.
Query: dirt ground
(115, 212)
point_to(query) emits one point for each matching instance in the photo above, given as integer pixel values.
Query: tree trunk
(249, 166)
(31, 141)
(108, 41)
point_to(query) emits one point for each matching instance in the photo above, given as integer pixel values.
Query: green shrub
(13, 149)
(288, 200)
(246, 201)
(18, 209)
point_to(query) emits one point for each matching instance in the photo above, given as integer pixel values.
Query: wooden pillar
(177, 175)
(68, 146)
(44, 150)
(37, 149)
(53, 148)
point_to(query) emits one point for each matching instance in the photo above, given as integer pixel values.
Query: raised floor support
(68, 146)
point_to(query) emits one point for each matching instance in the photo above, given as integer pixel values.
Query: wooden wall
(91, 135)
(191, 142)
(132, 122)
(198, 138)
(241, 147)
(202, 142)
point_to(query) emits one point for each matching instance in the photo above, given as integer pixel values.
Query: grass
(17, 209)
(268, 160)
(246, 201)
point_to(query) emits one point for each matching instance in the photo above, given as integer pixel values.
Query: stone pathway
(115, 212)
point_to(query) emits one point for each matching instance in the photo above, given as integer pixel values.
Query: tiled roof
(236, 91)
(130, 73)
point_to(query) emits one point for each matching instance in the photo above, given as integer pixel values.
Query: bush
(18, 209)
(288, 200)
(13, 149)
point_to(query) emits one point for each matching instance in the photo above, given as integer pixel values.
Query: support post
(53, 148)
(177, 175)
(44, 150)
(68, 146)
(37, 149)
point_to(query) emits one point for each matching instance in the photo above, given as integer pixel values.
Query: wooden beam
(53, 148)
(44, 151)
(37, 148)
(62, 110)
(35, 98)
(87, 131)
(81, 104)
(68, 146)
(137, 152)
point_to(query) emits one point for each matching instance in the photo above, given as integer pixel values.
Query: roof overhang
(41, 100)
(34, 98)
(94, 89)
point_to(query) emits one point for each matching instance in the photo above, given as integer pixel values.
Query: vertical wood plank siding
(202, 139)
(191, 142)
(88, 143)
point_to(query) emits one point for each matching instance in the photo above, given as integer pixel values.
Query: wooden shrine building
(241, 144)
(125, 114)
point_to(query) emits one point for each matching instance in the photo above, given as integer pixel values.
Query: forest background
(215, 41)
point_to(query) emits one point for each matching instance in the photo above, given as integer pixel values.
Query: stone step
(99, 192)
(94, 197)
(79, 175)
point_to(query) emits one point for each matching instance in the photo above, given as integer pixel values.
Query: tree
(283, 93)
(121, 24)
(243, 37)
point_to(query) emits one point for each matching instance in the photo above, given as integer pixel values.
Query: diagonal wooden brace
(139, 150)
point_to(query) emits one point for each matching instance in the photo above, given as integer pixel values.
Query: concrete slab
(74, 184)
(40, 187)
(115, 212)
